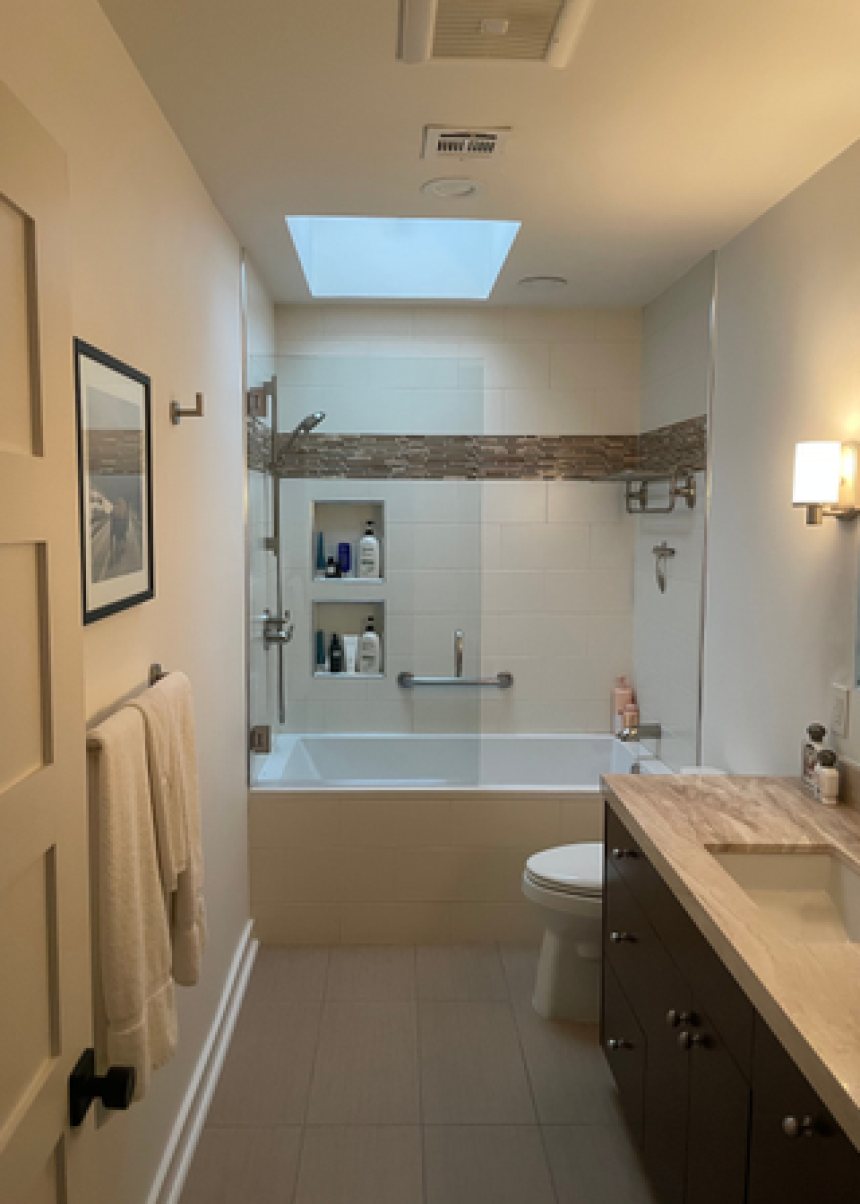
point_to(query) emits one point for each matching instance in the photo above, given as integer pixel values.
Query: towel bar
(502, 681)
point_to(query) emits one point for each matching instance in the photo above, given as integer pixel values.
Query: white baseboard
(170, 1179)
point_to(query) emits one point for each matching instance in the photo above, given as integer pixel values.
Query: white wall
(676, 355)
(538, 575)
(155, 282)
(781, 595)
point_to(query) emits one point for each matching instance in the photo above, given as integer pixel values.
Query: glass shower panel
(387, 424)
(262, 577)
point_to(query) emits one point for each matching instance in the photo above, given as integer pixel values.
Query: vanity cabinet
(703, 1082)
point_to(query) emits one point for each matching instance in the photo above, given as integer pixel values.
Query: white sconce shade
(825, 474)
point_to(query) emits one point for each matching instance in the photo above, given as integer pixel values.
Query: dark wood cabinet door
(624, 1046)
(798, 1154)
(719, 1117)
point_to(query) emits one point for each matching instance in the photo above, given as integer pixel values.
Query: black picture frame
(113, 404)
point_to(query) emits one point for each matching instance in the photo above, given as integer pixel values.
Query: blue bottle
(321, 559)
(344, 558)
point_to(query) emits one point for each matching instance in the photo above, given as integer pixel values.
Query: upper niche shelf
(343, 521)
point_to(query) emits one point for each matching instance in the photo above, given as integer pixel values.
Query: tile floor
(410, 1076)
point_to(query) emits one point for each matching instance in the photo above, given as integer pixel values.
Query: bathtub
(566, 763)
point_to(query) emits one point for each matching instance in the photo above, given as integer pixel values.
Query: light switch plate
(839, 710)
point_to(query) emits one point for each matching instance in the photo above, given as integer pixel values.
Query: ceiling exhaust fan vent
(536, 31)
(449, 143)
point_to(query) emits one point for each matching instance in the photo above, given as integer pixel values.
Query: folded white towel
(137, 987)
(168, 713)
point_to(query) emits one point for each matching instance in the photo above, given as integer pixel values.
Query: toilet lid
(573, 868)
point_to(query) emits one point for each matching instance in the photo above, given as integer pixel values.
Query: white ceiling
(675, 125)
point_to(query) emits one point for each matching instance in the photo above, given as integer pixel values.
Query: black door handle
(115, 1089)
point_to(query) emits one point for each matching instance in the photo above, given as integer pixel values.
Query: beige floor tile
(385, 974)
(571, 1082)
(244, 1166)
(460, 973)
(367, 1065)
(360, 1165)
(290, 975)
(477, 1164)
(267, 1073)
(596, 1164)
(520, 963)
(471, 1066)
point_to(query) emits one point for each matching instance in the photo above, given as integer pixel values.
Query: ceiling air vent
(443, 143)
(537, 31)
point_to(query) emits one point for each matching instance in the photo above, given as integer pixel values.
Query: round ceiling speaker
(543, 284)
(452, 190)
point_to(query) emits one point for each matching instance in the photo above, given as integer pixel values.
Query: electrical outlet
(839, 710)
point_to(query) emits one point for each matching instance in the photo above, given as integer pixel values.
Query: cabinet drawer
(624, 1045)
(728, 1008)
(786, 1169)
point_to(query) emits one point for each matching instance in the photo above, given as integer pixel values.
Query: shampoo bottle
(368, 552)
(622, 696)
(336, 655)
(370, 658)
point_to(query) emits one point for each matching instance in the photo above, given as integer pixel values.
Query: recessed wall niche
(343, 522)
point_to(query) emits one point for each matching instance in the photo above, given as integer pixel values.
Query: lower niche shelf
(349, 676)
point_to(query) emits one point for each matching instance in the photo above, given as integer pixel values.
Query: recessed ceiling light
(452, 190)
(543, 284)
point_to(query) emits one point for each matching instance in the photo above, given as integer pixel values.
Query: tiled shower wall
(539, 575)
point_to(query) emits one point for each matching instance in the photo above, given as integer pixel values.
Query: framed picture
(115, 469)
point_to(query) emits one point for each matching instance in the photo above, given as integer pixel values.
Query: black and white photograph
(113, 404)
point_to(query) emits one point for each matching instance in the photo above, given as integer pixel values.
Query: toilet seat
(571, 869)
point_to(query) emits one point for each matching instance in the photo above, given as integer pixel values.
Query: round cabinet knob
(673, 1018)
(620, 938)
(616, 1043)
(794, 1126)
(687, 1040)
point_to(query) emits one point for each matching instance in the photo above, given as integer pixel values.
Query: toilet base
(567, 986)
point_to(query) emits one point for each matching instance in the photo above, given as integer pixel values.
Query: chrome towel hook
(663, 552)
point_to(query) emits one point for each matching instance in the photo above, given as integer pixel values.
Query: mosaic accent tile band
(481, 457)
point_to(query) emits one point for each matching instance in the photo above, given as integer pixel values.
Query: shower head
(307, 424)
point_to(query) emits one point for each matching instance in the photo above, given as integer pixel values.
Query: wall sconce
(825, 480)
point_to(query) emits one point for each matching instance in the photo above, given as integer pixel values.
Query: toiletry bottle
(827, 778)
(350, 653)
(344, 558)
(332, 569)
(622, 696)
(320, 554)
(336, 654)
(320, 666)
(370, 657)
(368, 552)
(631, 715)
(813, 743)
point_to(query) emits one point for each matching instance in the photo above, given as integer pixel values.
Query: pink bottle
(622, 696)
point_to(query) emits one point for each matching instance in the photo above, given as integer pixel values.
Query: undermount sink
(812, 896)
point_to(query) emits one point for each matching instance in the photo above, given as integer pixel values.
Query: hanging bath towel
(137, 987)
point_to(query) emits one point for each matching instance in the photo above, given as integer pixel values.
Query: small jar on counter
(827, 778)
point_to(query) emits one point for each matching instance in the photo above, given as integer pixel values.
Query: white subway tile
(590, 591)
(536, 324)
(513, 592)
(540, 546)
(546, 412)
(514, 502)
(618, 325)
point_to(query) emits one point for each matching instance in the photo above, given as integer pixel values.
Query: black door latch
(115, 1089)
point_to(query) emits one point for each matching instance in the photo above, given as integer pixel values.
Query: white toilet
(567, 884)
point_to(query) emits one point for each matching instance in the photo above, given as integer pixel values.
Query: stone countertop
(809, 994)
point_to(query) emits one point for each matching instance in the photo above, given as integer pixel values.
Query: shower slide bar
(502, 681)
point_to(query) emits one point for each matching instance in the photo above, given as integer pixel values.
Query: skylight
(401, 258)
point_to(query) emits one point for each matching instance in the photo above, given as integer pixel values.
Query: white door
(45, 1012)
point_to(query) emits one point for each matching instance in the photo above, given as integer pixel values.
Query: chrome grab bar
(408, 681)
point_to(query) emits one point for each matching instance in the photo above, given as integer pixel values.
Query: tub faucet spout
(458, 654)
